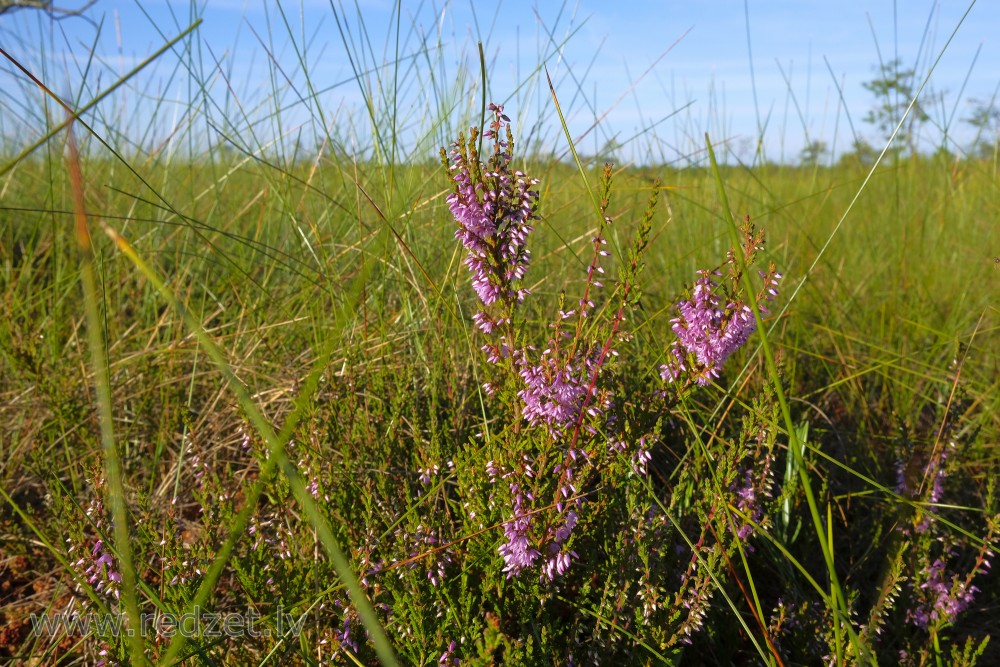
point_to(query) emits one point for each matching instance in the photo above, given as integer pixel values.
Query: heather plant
(92, 557)
(595, 436)
(935, 553)
(942, 563)
(578, 426)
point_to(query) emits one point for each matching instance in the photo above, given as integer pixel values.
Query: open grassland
(239, 383)
(888, 340)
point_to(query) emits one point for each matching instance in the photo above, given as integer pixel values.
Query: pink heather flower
(709, 331)
(448, 658)
(423, 549)
(517, 551)
(475, 231)
(944, 599)
(553, 394)
(559, 559)
(427, 474)
(343, 635)
(641, 459)
(557, 564)
(752, 488)
(98, 567)
(96, 563)
(493, 205)
(556, 391)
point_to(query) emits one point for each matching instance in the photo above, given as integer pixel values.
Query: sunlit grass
(274, 334)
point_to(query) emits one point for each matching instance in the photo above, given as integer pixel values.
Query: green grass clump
(243, 379)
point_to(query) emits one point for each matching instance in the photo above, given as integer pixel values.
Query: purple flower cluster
(98, 567)
(708, 331)
(939, 595)
(558, 390)
(425, 548)
(493, 205)
(944, 598)
(695, 595)
(554, 392)
(96, 563)
(448, 658)
(428, 474)
(517, 551)
(641, 456)
(343, 634)
(559, 558)
(756, 488)
(560, 386)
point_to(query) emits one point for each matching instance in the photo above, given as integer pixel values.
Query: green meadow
(242, 381)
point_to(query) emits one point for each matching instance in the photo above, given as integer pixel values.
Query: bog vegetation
(279, 405)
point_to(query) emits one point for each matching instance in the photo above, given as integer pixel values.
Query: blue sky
(665, 71)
